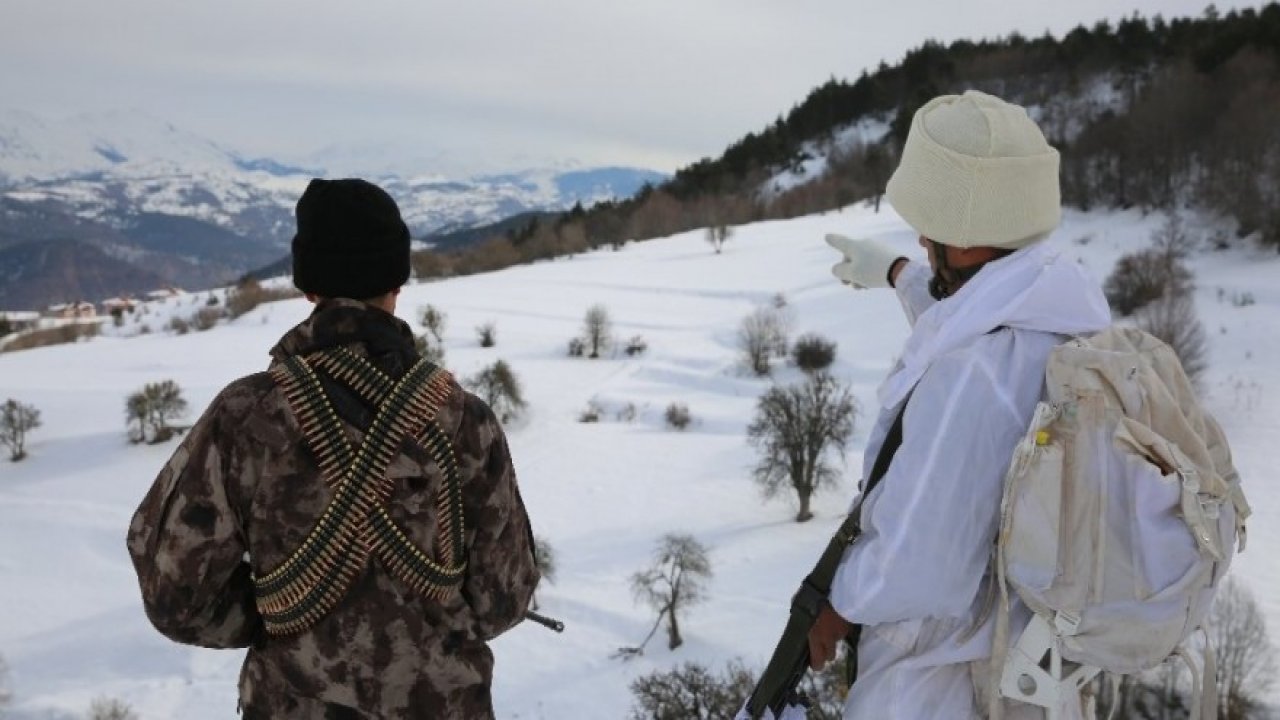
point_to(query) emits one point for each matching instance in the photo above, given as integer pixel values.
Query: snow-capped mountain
(140, 189)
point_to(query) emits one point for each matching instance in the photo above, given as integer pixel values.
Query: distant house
(13, 321)
(165, 293)
(72, 311)
(118, 305)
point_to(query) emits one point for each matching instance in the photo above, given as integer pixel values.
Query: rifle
(779, 684)
(544, 621)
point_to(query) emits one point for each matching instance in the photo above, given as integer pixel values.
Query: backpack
(1120, 514)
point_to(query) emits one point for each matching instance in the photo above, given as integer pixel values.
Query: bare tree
(763, 335)
(153, 407)
(487, 334)
(673, 583)
(165, 402)
(16, 420)
(597, 330)
(793, 428)
(498, 386)
(717, 235)
(1246, 658)
(434, 320)
(110, 709)
(1172, 239)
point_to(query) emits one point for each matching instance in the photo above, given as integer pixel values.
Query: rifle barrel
(546, 622)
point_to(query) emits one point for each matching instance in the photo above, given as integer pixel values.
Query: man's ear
(312, 298)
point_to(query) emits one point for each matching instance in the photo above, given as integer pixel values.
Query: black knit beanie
(351, 241)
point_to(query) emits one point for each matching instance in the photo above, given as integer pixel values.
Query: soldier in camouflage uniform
(351, 515)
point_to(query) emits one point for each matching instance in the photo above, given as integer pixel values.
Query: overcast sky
(476, 85)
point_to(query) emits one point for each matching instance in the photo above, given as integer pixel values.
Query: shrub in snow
(249, 294)
(793, 428)
(674, 581)
(691, 692)
(1173, 320)
(636, 346)
(627, 413)
(487, 334)
(433, 319)
(591, 414)
(206, 318)
(577, 348)
(1143, 277)
(16, 420)
(498, 386)
(677, 416)
(179, 326)
(812, 353)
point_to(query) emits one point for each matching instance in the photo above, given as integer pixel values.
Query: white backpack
(1120, 514)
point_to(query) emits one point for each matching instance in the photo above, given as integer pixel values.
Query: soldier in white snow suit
(979, 183)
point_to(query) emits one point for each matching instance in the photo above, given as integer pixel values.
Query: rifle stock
(779, 684)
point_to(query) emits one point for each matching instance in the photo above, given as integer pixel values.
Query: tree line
(1148, 112)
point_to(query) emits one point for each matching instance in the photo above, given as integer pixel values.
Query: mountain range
(121, 202)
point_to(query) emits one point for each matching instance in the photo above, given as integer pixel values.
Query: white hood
(1033, 289)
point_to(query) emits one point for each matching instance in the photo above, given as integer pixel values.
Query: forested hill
(1149, 112)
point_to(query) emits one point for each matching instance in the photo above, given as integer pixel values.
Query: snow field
(71, 625)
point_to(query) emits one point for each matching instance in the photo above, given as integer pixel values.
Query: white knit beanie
(976, 171)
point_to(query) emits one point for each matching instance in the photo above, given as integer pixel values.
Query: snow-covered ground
(71, 625)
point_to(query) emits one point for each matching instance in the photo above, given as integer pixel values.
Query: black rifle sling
(790, 660)
(879, 468)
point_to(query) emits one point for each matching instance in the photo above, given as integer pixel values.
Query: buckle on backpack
(1065, 623)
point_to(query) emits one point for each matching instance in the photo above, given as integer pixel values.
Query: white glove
(866, 262)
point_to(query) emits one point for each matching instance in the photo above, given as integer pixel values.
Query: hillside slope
(71, 624)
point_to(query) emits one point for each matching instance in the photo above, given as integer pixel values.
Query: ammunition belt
(355, 525)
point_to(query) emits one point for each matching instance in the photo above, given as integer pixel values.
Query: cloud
(659, 83)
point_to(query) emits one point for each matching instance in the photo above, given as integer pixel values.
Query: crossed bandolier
(356, 525)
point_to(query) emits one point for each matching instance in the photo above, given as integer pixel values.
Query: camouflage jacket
(242, 492)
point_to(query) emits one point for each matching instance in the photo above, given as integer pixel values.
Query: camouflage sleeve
(187, 547)
(501, 571)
